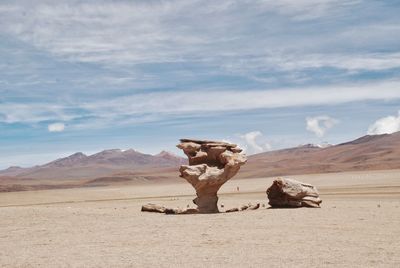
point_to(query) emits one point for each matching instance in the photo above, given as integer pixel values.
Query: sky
(83, 76)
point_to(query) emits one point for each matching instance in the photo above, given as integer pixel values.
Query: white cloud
(385, 125)
(193, 101)
(254, 142)
(302, 10)
(56, 127)
(174, 31)
(35, 112)
(319, 125)
(159, 105)
(117, 33)
(354, 62)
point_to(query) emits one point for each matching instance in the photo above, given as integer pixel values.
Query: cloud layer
(137, 32)
(121, 32)
(149, 107)
(141, 61)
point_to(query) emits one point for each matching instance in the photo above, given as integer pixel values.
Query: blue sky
(92, 75)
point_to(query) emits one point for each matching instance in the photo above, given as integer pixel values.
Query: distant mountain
(127, 167)
(167, 156)
(365, 153)
(106, 162)
(70, 161)
(12, 171)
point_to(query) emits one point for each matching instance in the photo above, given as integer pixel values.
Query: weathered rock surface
(181, 211)
(211, 164)
(292, 193)
(254, 207)
(162, 209)
(231, 210)
(153, 208)
(244, 207)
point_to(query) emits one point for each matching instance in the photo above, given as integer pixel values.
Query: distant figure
(222, 205)
(187, 206)
(237, 188)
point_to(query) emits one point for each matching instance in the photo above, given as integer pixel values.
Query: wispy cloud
(130, 40)
(319, 125)
(35, 112)
(155, 106)
(56, 127)
(174, 31)
(385, 125)
(355, 62)
(193, 102)
(307, 9)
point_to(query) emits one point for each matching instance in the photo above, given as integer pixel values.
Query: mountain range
(107, 162)
(117, 166)
(371, 152)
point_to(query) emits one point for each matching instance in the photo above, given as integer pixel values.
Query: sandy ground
(357, 226)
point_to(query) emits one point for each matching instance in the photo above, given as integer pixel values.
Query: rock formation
(254, 207)
(211, 164)
(153, 208)
(231, 210)
(243, 208)
(292, 193)
(162, 209)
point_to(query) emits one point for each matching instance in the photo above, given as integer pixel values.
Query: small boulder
(231, 210)
(153, 208)
(292, 193)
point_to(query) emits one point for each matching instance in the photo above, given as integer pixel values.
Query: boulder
(292, 193)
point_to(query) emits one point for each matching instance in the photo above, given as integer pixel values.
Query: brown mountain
(366, 153)
(105, 163)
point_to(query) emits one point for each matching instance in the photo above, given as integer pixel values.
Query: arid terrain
(188, 133)
(84, 211)
(357, 226)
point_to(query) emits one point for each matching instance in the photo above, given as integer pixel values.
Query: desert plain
(358, 225)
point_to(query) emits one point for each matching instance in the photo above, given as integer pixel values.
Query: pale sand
(357, 226)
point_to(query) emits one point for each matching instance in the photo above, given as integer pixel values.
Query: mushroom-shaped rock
(211, 164)
(292, 193)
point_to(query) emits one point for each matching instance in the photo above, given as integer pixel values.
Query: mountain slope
(366, 153)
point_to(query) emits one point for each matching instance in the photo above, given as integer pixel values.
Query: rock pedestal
(211, 164)
(292, 193)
